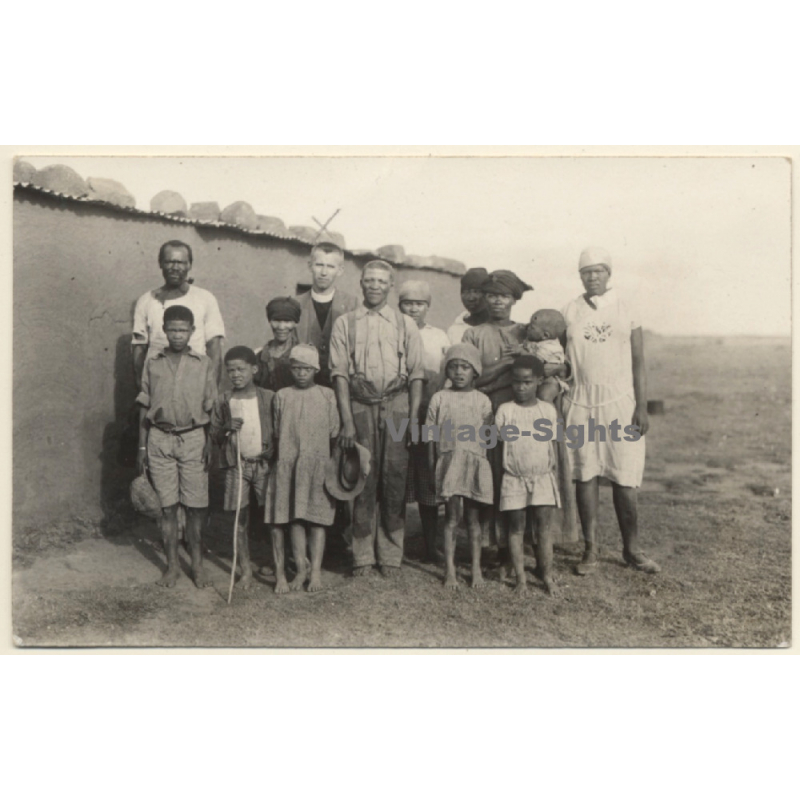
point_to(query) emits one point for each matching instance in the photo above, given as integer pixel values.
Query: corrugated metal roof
(204, 223)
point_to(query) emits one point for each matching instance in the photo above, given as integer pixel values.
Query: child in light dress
(305, 421)
(460, 466)
(529, 470)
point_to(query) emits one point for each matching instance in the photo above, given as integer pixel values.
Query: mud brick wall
(79, 266)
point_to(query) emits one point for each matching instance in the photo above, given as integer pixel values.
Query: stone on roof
(62, 179)
(270, 224)
(330, 237)
(303, 232)
(416, 261)
(110, 191)
(450, 264)
(23, 171)
(169, 202)
(392, 252)
(208, 212)
(239, 213)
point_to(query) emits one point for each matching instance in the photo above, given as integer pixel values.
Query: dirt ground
(715, 511)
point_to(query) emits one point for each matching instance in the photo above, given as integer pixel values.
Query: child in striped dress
(458, 460)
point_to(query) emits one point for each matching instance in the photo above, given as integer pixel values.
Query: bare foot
(297, 584)
(281, 587)
(521, 588)
(315, 583)
(168, 579)
(477, 581)
(246, 581)
(201, 580)
(450, 581)
(550, 586)
(390, 572)
(361, 572)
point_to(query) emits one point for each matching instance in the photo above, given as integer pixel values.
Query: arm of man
(347, 436)
(339, 362)
(640, 417)
(140, 339)
(138, 353)
(214, 352)
(143, 399)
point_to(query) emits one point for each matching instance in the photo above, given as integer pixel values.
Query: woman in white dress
(606, 351)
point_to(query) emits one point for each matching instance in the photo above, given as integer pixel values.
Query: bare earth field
(715, 511)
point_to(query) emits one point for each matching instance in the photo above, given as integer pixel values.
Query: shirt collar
(188, 351)
(322, 298)
(386, 312)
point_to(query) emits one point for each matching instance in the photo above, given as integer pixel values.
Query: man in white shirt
(175, 261)
(324, 304)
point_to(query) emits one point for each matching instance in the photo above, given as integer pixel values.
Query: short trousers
(254, 473)
(176, 467)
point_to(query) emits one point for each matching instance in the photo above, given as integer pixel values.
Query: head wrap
(595, 257)
(467, 352)
(504, 281)
(305, 354)
(416, 290)
(473, 278)
(283, 308)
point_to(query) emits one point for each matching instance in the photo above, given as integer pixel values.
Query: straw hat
(145, 498)
(346, 472)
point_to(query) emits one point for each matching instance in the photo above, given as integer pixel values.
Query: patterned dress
(462, 468)
(599, 350)
(305, 420)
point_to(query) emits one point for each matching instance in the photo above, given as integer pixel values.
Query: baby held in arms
(542, 339)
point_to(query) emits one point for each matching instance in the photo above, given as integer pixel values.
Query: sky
(701, 245)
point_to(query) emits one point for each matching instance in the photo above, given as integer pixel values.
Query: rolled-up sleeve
(339, 358)
(416, 370)
(213, 324)
(141, 330)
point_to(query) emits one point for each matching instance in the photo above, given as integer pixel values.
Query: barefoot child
(458, 461)
(529, 477)
(244, 413)
(542, 339)
(305, 421)
(178, 392)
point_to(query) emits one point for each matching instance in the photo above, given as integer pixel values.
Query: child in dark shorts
(244, 413)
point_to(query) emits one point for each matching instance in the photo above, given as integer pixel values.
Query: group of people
(306, 433)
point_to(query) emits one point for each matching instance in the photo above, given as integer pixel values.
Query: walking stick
(236, 518)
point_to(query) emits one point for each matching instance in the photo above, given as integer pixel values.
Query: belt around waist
(179, 431)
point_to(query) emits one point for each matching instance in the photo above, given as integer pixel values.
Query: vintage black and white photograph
(363, 401)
